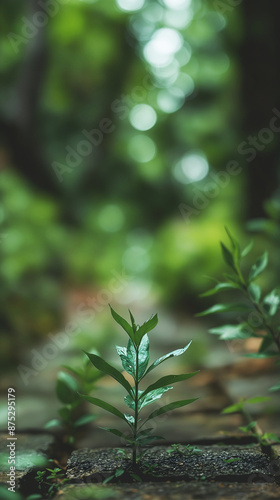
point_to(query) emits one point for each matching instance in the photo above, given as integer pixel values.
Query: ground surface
(247, 463)
(201, 423)
(173, 491)
(206, 475)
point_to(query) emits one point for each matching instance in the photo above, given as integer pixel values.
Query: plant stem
(268, 328)
(256, 429)
(134, 455)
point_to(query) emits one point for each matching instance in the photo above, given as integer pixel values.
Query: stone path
(173, 491)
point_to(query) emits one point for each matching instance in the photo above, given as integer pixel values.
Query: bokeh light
(160, 50)
(143, 117)
(192, 167)
(184, 54)
(185, 83)
(177, 4)
(130, 5)
(153, 13)
(167, 75)
(178, 19)
(111, 218)
(136, 259)
(142, 148)
(170, 100)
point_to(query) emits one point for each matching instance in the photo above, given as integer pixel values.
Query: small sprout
(118, 473)
(231, 460)
(52, 482)
(150, 469)
(183, 450)
(68, 385)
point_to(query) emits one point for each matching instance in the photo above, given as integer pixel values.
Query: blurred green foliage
(116, 210)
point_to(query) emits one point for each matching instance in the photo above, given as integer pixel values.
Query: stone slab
(172, 491)
(31, 451)
(246, 463)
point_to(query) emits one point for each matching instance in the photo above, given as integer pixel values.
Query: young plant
(252, 428)
(135, 359)
(258, 316)
(50, 480)
(178, 449)
(67, 387)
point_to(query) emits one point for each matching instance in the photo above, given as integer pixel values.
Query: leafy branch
(264, 309)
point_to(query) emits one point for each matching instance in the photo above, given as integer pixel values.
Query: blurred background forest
(118, 121)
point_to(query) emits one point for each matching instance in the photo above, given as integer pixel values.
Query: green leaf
(123, 323)
(127, 364)
(172, 354)
(66, 388)
(104, 367)
(130, 402)
(170, 407)
(223, 308)
(260, 355)
(235, 246)
(234, 280)
(249, 427)
(85, 419)
(75, 371)
(228, 257)
(146, 328)
(247, 249)
(259, 267)
(53, 423)
(231, 332)
(129, 419)
(266, 343)
(219, 287)
(275, 388)
(153, 396)
(104, 405)
(119, 472)
(166, 381)
(255, 292)
(143, 356)
(129, 357)
(270, 436)
(146, 432)
(116, 432)
(134, 326)
(148, 440)
(66, 414)
(271, 302)
(257, 400)
(238, 407)
(231, 460)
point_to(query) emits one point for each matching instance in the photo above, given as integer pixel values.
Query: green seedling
(231, 460)
(135, 360)
(179, 449)
(258, 316)
(68, 385)
(50, 480)
(150, 469)
(252, 428)
(40, 478)
(117, 474)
